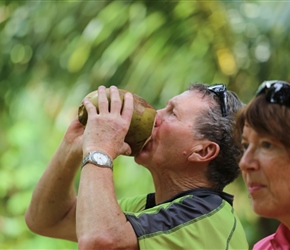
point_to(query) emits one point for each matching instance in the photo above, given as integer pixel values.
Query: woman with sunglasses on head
(265, 128)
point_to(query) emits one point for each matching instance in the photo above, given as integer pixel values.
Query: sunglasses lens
(221, 91)
(265, 86)
(276, 92)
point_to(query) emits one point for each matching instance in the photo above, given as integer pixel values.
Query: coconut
(142, 122)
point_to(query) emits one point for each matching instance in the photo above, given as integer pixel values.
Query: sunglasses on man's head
(221, 91)
(276, 92)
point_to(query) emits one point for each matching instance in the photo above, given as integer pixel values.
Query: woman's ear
(204, 151)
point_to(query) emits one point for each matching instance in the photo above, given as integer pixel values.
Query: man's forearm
(54, 198)
(101, 224)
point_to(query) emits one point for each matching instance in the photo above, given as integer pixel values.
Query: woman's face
(265, 167)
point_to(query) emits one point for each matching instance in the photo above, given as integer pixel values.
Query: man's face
(173, 135)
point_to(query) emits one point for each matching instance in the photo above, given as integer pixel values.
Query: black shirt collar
(197, 191)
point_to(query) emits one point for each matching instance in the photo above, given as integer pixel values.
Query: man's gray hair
(211, 125)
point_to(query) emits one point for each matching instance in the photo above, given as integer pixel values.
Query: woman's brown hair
(266, 119)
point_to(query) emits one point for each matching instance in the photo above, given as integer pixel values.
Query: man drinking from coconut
(191, 156)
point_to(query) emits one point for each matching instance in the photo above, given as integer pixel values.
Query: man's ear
(204, 151)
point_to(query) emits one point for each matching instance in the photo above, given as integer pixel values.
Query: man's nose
(158, 119)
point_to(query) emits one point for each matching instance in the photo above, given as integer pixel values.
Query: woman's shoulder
(265, 243)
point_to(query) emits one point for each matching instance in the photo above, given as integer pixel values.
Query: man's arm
(101, 224)
(53, 206)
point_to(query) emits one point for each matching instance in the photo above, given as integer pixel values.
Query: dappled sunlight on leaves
(55, 53)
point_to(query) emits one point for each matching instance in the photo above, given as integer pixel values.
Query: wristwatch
(98, 158)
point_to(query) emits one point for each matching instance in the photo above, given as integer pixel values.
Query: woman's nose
(248, 161)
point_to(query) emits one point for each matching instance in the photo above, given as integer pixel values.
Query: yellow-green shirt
(195, 219)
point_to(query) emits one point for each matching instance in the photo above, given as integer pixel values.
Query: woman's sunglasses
(276, 92)
(221, 91)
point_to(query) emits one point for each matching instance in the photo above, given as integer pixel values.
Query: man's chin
(143, 154)
(140, 155)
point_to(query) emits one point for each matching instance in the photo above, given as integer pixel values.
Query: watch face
(100, 158)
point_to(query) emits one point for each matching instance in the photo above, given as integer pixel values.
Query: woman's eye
(266, 144)
(245, 146)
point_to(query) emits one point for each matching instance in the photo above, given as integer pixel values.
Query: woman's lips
(254, 187)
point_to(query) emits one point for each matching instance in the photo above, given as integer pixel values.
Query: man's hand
(74, 137)
(106, 128)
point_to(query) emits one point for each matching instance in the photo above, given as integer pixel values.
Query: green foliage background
(55, 52)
